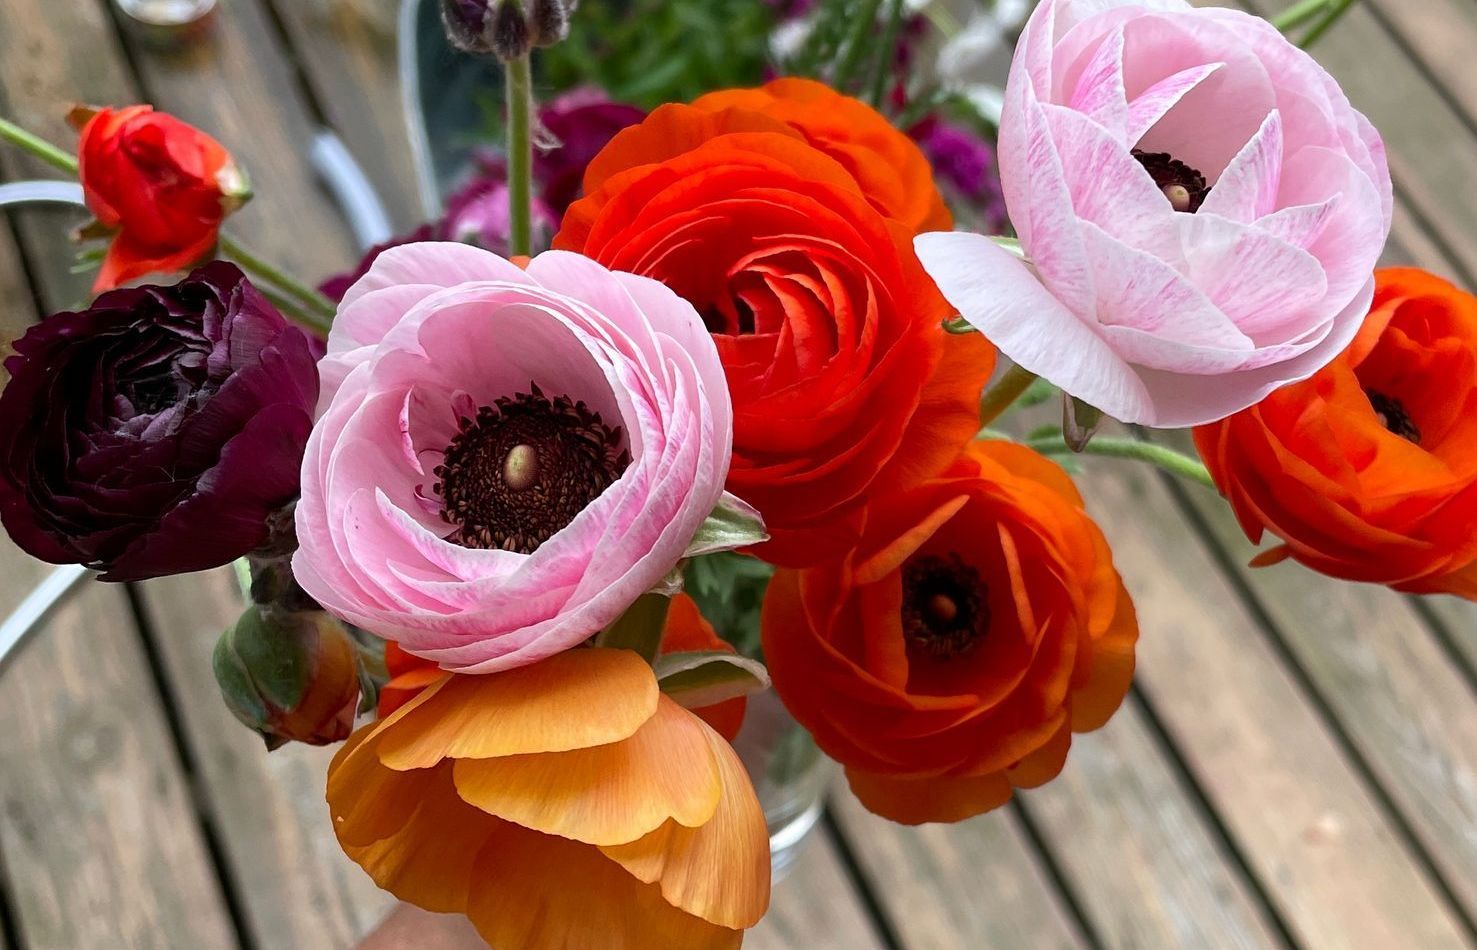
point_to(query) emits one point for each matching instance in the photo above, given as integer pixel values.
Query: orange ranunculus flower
(1368, 471)
(844, 385)
(686, 630)
(892, 170)
(163, 186)
(567, 804)
(948, 659)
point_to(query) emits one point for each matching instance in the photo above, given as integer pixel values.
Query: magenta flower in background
(477, 212)
(964, 164)
(156, 431)
(582, 122)
(506, 460)
(1201, 206)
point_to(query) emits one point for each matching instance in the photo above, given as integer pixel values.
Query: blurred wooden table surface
(1296, 766)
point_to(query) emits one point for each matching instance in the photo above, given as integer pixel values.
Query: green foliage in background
(647, 52)
(729, 590)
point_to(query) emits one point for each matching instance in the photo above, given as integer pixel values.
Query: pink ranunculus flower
(1201, 208)
(505, 460)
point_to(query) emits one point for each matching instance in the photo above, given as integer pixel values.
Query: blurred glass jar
(789, 773)
(169, 22)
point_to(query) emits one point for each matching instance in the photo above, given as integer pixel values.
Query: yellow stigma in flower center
(520, 468)
(1179, 196)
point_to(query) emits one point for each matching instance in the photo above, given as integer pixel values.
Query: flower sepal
(704, 678)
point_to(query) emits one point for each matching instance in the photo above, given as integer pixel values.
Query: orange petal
(574, 700)
(408, 830)
(540, 892)
(719, 872)
(608, 794)
(915, 801)
(1045, 763)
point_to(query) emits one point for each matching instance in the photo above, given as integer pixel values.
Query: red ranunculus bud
(290, 676)
(156, 431)
(163, 186)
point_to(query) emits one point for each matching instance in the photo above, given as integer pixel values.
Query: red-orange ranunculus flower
(686, 630)
(162, 185)
(1368, 471)
(844, 384)
(894, 173)
(567, 805)
(950, 657)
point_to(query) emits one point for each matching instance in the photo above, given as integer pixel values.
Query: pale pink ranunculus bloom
(553, 545)
(1150, 294)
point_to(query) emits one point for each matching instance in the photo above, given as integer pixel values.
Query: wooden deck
(1296, 766)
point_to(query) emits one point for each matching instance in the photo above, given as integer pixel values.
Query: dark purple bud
(157, 431)
(469, 24)
(510, 33)
(548, 20)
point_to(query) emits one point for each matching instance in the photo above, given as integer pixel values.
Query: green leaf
(639, 628)
(704, 678)
(959, 327)
(1079, 423)
(729, 590)
(1041, 433)
(733, 524)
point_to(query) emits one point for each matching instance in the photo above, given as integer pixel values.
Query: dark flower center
(944, 610)
(1183, 186)
(523, 468)
(1393, 416)
(733, 317)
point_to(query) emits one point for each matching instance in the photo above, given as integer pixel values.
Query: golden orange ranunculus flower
(844, 384)
(1368, 471)
(948, 659)
(894, 173)
(568, 804)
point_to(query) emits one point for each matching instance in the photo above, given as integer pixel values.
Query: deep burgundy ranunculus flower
(154, 432)
(583, 121)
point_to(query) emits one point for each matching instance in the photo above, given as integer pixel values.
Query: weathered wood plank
(297, 887)
(347, 51)
(1406, 710)
(1337, 871)
(1458, 622)
(98, 831)
(1137, 851)
(815, 906)
(1443, 34)
(965, 886)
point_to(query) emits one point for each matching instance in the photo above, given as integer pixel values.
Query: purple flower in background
(964, 164)
(155, 432)
(583, 122)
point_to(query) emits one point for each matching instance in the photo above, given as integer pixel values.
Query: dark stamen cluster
(1183, 186)
(944, 610)
(1394, 417)
(523, 468)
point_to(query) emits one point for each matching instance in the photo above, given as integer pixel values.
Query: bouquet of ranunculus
(732, 344)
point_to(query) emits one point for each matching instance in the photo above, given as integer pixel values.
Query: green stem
(1337, 10)
(1166, 458)
(317, 310)
(856, 43)
(885, 53)
(37, 146)
(1299, 13)
(520, 155)
(1002, 395)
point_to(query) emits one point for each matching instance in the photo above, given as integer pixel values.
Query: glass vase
(790, 774)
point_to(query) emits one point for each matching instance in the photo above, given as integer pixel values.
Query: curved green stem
(885, 53)
(1166, 458)
(37, 146)
(1002, 395)
(315, 310)
(1323, 14)
(520, 155)
(1338, 9)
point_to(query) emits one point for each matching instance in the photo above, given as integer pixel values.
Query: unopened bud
(548, 20)
(510, 33)
(290, 677)
(469, 23)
